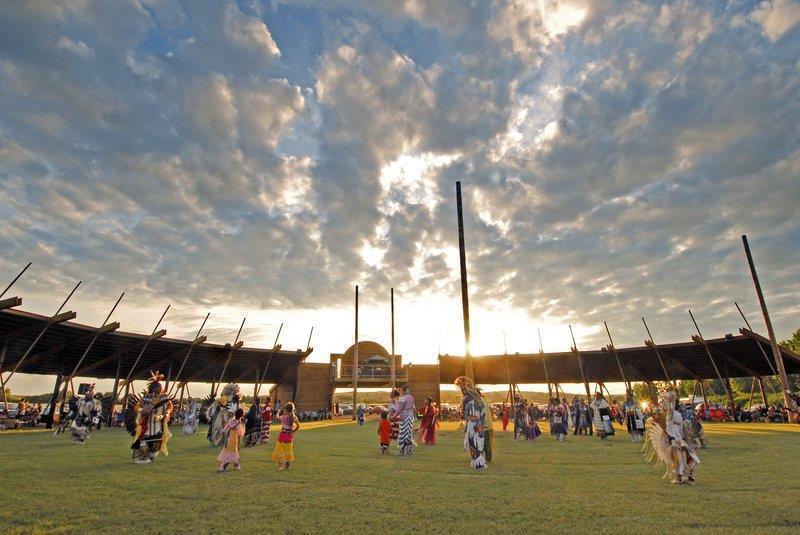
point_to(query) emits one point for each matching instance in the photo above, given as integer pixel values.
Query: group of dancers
(397, 423)
(150, 416)
(589, 418)
(672, 437)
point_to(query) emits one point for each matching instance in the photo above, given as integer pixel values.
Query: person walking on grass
(406, 411)
(284, 449)
(233, 432)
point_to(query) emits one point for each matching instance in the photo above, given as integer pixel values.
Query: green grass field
(748, 481)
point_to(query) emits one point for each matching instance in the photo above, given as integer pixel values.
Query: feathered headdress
(154, 386)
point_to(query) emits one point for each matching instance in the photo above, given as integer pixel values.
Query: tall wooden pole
(776, 351)
(462, 254)
(355, 362)
(394, 360)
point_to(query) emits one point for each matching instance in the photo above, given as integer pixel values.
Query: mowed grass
(748, 481)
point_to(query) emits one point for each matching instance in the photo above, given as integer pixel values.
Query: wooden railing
(367, 372)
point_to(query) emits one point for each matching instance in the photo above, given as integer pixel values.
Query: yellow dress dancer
(233, 432)
(284, 448)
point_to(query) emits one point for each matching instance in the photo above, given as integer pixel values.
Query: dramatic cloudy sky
(261, 158)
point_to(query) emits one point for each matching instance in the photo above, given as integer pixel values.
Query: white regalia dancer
(151, 433)
(665, 440)
(190, 421)
(634, 418)
(87, 414)
(601, 416)
(220, 413)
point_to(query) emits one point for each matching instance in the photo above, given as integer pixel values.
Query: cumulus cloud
(776, 17)
(221, 153)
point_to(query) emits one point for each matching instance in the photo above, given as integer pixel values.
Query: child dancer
(384, 432)
(533, 430)
(233, 432)
(557, 423)
(284, 449)
(504, 413)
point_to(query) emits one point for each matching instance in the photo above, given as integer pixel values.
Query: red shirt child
(384, 431)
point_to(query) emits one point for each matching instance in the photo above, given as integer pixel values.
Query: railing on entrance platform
(367, 372)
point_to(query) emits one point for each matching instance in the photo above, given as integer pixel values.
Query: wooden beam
(89, 367)
(142, 374)
(11, 302)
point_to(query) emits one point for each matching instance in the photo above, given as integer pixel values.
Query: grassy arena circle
(747, 482)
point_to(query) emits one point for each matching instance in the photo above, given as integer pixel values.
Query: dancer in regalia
(582, 417)
(266, 420)
(284, 448)
(428, 425)
(634, 418)
(221, 411)
(665, 440)
(478, 433)
(519, 417)
(151, 434)
(531, 426)
(233, 432)
(406, 411)
(87, 414)
(252, 427)
(190, 422)
(601, 414)
(558, 422)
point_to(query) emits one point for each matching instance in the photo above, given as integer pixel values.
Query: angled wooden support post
(616, 356)
(763, 392)
(275, 348)
(104, 328)
(580, 364)
(654, 347)
(55, 318)
(144, 348)
(194, 344)
(776, 351)
(544, 364)
(702, 342)
(7, 288)
(236, 345)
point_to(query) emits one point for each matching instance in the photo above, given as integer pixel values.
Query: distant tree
(793, 343)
